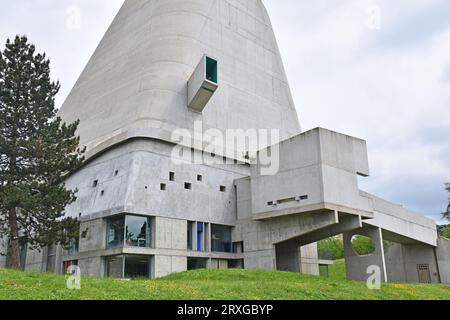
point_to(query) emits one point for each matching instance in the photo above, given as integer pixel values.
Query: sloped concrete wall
(129, 178)
(137, 78)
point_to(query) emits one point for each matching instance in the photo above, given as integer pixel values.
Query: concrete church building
(165, 65)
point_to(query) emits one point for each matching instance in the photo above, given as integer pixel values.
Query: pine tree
(37, 153)
(446, 214)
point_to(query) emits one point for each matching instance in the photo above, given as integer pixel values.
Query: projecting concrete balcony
(318, 171)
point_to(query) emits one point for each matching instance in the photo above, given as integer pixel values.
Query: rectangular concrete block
(165, 265)
(95, 235)
(92, 266)
(170, 233)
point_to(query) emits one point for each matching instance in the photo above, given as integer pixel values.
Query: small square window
(95, 184)
(172, 176)
(199, 177)
(116, 172)
(102, 193)
(223, 189)
(163, 187)
(188, 186)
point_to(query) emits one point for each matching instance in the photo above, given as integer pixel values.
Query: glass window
(115, 232)
(114, 267)
(200, 226)
(190, 235)
(128, 266)
(137, 267)
(73, 247)
(137, 231)
(130, 231)
(211, 69)
(221, 238)
(196, 263)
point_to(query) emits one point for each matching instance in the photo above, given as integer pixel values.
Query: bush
(331, 249)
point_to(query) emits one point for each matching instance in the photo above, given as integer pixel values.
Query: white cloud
(387, 86)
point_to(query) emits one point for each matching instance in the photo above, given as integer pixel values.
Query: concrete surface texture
(137, 78)
(443, 259)
(3, 251)
(147, 79)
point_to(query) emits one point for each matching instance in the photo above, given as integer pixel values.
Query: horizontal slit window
(286, 200)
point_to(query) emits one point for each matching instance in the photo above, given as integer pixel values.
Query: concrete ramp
(400, 224)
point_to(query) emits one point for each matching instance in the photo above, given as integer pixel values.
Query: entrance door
(424, 273)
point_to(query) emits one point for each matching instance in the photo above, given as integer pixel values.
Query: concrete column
(3, 251)
(194, 236)
(58, 260)
(356, 265)
(309, 260)
(288, 256)
(443, 259)
(207, 237)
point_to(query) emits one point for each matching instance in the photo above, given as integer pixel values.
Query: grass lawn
(212, 284)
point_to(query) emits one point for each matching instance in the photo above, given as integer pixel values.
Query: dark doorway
(196, 263)
(137, 267)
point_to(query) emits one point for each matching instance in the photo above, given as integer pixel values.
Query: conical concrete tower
(165, 65)
(136, 83)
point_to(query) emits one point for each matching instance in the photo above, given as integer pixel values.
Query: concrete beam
(345, 223)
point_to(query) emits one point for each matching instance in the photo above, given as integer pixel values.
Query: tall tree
(446, 214)
(37, 153)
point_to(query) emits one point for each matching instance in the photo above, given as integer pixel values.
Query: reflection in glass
(128, 266)
(137, 231)
(137, 267)
(115, 233)
(220, 238)
(129, 231)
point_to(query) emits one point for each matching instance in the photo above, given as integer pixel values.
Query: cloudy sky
(375, 69)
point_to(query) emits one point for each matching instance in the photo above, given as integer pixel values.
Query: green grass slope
(212, 284)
